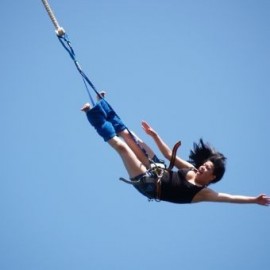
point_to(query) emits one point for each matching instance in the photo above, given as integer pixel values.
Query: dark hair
(203, 152)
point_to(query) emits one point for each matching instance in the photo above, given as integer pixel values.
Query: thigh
(133, 165)
(140, 149)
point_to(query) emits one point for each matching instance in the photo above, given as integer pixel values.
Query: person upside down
(188, 184)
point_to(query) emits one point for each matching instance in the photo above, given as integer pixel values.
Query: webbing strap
(64, 40)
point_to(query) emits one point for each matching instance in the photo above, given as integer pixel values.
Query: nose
(202, 169)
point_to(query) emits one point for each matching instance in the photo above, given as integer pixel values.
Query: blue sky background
(191, 69)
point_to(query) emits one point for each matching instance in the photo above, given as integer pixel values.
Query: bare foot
(86, 107)
(101, 95)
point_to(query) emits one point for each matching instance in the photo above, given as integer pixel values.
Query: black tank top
(176, 189)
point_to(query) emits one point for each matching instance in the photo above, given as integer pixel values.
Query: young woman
(189, 184)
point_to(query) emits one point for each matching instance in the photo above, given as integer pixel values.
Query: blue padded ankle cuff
(97, 118)
(112, 117)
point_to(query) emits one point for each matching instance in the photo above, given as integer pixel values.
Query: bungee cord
(58, 29)
(66, 43)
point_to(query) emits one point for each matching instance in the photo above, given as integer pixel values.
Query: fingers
(264, 200)
(145, 125)
(148, 129)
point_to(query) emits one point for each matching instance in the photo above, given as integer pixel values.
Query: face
(205, 173)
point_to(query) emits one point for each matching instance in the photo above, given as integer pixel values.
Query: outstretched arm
(212, 196)
(164, 148)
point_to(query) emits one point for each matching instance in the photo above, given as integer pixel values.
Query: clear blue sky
(192, 69)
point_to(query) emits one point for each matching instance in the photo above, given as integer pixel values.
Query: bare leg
(133, 165)
(132, 155)
(148, 150)
(136, 149)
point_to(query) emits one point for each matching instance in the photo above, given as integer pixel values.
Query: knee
(124, 133)
(119, 145)
(122, 147)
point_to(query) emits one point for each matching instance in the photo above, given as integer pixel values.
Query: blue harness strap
(64, 40)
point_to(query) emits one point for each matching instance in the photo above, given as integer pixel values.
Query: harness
(157, 170)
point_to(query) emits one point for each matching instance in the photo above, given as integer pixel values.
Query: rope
(64, 40)
(59, 30)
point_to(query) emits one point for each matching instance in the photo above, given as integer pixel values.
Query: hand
(149, 130)
(263, 200)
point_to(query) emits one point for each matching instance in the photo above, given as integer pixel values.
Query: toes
(101, 94)
(86, 107)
